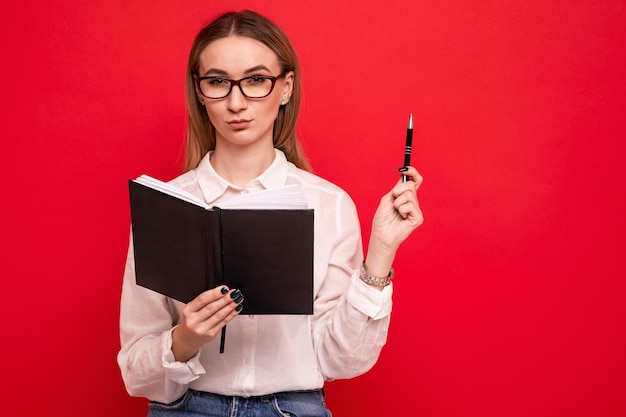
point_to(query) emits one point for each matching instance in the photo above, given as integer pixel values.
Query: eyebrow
(217, 71)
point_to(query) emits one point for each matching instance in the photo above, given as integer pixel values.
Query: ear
(196, 86)
(288, 86)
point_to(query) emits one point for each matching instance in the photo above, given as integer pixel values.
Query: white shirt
(264, 354)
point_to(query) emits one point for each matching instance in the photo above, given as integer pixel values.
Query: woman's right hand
(202, 320)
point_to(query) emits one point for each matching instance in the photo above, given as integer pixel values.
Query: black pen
(407, 147)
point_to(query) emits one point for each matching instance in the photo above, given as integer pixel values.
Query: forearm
(349, 342)
(379, 259)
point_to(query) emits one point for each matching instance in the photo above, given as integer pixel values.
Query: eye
(257, 79)
(218, 81)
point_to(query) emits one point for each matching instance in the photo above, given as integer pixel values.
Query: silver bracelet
(375, 281)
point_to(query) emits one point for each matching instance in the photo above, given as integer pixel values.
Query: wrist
(381, 247)
(375, 281)
(379, 260)
(181, 352)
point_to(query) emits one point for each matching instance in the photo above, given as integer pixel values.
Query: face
(239, 120)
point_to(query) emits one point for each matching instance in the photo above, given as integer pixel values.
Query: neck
(239, 166)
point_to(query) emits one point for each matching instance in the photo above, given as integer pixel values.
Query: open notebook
(260, 243)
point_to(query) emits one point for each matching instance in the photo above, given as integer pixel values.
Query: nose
(236, 100)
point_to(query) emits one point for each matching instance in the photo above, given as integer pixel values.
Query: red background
(508, 300)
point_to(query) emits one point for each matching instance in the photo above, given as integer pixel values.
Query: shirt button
(244, 191)
(247, 361)
(251, 316)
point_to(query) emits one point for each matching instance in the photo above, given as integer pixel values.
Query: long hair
(200, 131)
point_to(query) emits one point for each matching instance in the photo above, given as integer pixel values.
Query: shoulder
(190, 182)
(318, 189)
(313, 181)
(190, 179)
(185, 180)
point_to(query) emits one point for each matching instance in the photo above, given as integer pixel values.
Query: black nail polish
(224, 290)
(403, 169)
(235, 294)
(239, 307)
(239, 299)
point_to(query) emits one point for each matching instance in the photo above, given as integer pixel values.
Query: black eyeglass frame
(237, 83)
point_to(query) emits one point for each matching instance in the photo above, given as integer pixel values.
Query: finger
(401, 200)
(405, 201)
(404, 206)
(411, 213)
(221, 318)
(407, 189)
(216, 330)
(229, 301)
(207, 297)
(413, 175)
(215, 314)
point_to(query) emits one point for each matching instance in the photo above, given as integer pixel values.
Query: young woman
(243, 94)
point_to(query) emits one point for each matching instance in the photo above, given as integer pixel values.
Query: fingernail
(403, 169)
(224, 290)
(239, 307)
(239, 299)
(235, 294)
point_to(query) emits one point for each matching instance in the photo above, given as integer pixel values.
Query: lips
(238, 124)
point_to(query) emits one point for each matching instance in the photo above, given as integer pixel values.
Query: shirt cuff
(179, 372)
(370, 301)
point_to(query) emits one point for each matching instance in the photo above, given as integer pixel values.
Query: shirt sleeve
(145, 358)
(351, 318)
(180, 372)
(370, 301)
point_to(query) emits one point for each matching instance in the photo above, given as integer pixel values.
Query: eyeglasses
(256, 86)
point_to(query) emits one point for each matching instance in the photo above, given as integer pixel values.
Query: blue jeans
(283, 404)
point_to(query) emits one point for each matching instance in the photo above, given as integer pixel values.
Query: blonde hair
(200, 131)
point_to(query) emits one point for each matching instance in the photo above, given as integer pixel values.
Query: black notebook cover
(182, 249)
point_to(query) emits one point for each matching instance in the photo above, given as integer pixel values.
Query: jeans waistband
(262, 398)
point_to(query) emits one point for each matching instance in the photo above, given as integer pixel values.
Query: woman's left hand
(396, 217)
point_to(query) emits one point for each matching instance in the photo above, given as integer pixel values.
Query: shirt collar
(214, 186)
